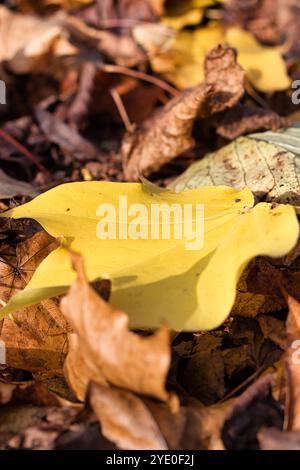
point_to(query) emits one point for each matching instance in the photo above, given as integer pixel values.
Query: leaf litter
(116, 91)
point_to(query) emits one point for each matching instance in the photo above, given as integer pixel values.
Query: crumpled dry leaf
(168, 133)
(125, 419)
(268, 169)
(35, 338)
(134, 423)
(121, 49)
(26, 41)
(241, 120)
(30, 44)
(68, 139)
(102, 348)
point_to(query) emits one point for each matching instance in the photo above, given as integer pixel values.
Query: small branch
(23, 150)
(255, 96)
(140, 76)
(122, 110)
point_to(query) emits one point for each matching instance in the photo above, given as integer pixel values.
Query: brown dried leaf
(168, 133)
(134, 423)
(243, 120)
(125, 419)
(273, 329)
(123, 50)
(102, 348)
(35, 339)
(26, 41)
(68, 139)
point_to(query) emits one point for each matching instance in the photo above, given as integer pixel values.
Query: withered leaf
(241, 120)
(269, 169)
(27, 41)
(168, 133)
(67, 138)
(35, 338)
(103, 349)
(121, 49)
(137, 423)
(125, 419)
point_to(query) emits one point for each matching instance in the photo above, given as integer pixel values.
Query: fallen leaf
(243, 120)
(268, 169)
(35, 338)
(157, 280)
(105, 351)
(136, 423)
(67, 138)
(125, 420)
(168, 133)
(121, 49)
(273, 329)
(26, 41)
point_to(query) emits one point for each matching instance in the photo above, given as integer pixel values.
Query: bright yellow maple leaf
(156, 280)
(183, 64)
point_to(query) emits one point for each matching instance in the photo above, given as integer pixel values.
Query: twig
(140, 76)
(121, 23)
(122, 110)
(23, 150)
(250, 90)
(246, 382)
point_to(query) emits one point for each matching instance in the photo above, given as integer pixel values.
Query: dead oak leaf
(103, 349)
(168, 133)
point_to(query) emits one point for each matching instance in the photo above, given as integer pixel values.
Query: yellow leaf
(265, 66)
(183, 64)
(157, 280)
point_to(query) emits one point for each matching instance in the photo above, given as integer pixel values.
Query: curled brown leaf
(103, 349)
(168, 133)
